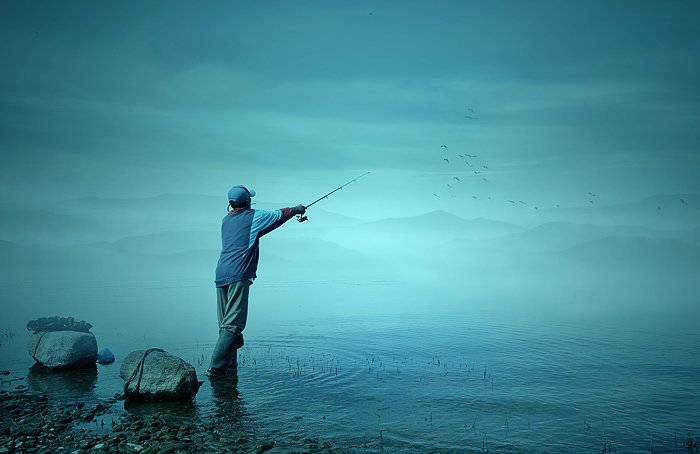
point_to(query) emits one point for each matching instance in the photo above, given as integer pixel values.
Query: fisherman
(241, 230)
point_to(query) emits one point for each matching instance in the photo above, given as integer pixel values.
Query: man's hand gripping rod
(301, 218)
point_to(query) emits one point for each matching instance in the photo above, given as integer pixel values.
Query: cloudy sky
(556, 100)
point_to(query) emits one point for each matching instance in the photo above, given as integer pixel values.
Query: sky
(555, 99)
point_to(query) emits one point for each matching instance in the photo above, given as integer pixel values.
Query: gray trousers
(232, 312)
(232, 306)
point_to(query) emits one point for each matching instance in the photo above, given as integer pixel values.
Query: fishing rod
(301, 218)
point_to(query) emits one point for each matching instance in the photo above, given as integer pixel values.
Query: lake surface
(459, 381)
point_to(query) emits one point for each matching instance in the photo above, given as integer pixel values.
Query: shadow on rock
(65, 383)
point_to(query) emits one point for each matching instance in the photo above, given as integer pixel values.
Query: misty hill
(120, 218)
(417, 232)
(310, 251)
(554, 236)
(691, 236)
(167, 255)
(673, 212)
(642, 252)
(170, 242)
(22, 225)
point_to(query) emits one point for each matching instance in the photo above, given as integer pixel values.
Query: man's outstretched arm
(265, 222)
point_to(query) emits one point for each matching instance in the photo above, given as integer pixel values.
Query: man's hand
(299, 209)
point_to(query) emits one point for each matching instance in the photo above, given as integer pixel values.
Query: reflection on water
(62, 383)
(228, 408)
(176, 412)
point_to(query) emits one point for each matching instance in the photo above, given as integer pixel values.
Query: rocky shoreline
(33, 422)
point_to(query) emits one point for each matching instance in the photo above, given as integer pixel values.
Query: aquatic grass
(381, 431)
(690, 443)
(607, 447)
(485, 444)
(7, 336)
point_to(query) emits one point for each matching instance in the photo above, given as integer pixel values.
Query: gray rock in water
(63, 349)
(105, 356)
(155, 374)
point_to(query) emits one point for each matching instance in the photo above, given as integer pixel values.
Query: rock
(56, 323)
(265, 446)
(105, 356)
(157, 375)
(63, 349)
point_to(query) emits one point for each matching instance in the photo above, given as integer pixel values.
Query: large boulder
(63, 349)
(155, 374)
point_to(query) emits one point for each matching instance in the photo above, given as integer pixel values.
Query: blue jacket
(240, 242)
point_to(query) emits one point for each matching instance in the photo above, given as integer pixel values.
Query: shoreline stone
(156, 375)
(60, 350)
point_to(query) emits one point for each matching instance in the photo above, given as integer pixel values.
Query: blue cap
(240, 194)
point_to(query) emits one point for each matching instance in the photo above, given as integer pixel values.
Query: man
(241, 230)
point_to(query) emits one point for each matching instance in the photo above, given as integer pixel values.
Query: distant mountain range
(555, 236)
(673, 211)
(180, 234)
(642, 252)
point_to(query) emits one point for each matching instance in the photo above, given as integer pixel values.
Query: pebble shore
(33, 422)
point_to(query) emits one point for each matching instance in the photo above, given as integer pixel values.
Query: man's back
(240, 234)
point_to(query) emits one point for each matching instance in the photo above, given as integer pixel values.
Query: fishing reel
(302, 218)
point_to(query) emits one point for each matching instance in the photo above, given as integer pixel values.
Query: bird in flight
(485, 167)
(511, 201)
(484, 178)
(446, 160)
(683, 202)
(457, 178)
(443, 146)
(435, 195)
(472, 156)
(591, 194)
(474, 197)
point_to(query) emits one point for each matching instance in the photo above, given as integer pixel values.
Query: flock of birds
(473, 166)
(476, 168)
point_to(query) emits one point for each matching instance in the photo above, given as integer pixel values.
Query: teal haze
(533, 166)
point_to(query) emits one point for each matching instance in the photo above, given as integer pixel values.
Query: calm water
(418, 383)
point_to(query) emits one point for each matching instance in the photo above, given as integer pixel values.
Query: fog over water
(530, 165)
